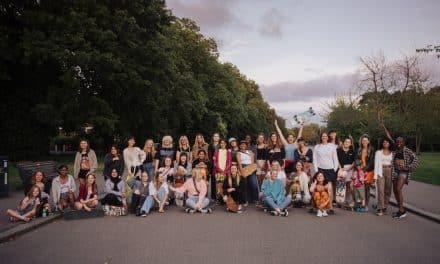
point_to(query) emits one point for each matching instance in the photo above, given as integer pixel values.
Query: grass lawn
(429, 168)
(68, 159)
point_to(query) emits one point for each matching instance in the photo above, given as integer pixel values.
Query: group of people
(273, 173)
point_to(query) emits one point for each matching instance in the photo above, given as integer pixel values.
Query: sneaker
(246, 204)
(209, 210)
(319, 214)
(400, 215)
(274, 213)
(394, 214)
(143, 214)
(203, 211)
(284, 213)
(324, 213)
(189, 211)
(379, 212)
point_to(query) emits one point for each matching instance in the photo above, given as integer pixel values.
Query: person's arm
(203, 190)
(24, 203)
(300, 132)
(72, 183)
(93, 161)
(127, 160)
(387, 133)
(108, 160)
(315, 162)
(121, 165)
(377, 163)
(252, 157)
(335, 160)
(142, 155)
(228, 161)
(280, 134)
(414, 161)
(76, 164)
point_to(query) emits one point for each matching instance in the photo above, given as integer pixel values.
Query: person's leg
(71, 200)
(29, 214)
(78, 205)
(135, 199)
(14, 214)
(286, 202)
(191, 202)
(205, 203)
(148, 204)
(270, 202)
(163, 197)
(213, 188)
(367, 194)
(253, 187)
(400, 183)
(387, 186)
(380, 187)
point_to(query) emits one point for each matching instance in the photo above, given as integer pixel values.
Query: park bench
(27, 169)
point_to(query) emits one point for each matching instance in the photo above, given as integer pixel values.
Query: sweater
(188, 187)
(108, 188)
(56, 187)
(274, 190)
(93, 162)
(110, 164)
(132, 158)
(325, 157)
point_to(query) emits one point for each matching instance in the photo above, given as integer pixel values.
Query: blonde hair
(197, 174)
(167, 137)
(180, 141)
(195, 139)
(237, 176)
(153, 149)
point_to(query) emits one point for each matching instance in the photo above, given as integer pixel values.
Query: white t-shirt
(154, 191)
(386, 159)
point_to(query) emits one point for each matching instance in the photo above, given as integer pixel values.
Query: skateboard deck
(340, 191)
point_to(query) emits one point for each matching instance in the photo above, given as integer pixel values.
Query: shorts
(359, 193)
(330, 174)
(349, 175)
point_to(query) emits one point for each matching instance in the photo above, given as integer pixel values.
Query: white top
(154, 191)
(387, 159)
(245, 157)
(325, 157)
(65, 187)
(133, 157)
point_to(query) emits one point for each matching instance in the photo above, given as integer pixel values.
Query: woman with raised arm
(85, 161)
(405, 162)
(290, 145)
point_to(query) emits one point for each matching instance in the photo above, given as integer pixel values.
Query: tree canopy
(125, 67)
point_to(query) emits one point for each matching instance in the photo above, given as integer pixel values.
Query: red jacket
(228, 162)
(82, 192)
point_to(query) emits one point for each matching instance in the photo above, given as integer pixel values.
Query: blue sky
(303, 53)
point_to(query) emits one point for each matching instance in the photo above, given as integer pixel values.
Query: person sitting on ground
(234, 188)
(277, 165)
(196, 189)
(88, 194)
(273, 192)
(158, 193)
(114, 192)
(28, 207)
(140, 192)
(63, 188)
(320, 190)
(39, 179)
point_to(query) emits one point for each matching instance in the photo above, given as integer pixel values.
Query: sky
(303, 53)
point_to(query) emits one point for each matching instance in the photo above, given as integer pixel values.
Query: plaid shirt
(411, 162)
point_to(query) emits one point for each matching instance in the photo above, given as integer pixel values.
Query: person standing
(383, 168)
(113, 160)
(150, 153)
(290, 145)
(325, 159)
(365, 154)
(133, 158)
(85, 161)
(222, 162)
(166, 150)
(245, 158)
(346, 158)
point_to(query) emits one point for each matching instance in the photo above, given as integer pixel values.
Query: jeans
(251, 188)
(149, 202)
(271, 203)
(192, 201)
(149, 168)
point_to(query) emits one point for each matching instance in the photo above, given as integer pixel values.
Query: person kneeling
(158, 193)
(88, 194)
(273, 192)
(234, 188)
(196, 189)
(321, 198)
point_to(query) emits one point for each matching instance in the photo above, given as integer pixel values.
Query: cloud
(271, 24)
(210, 15)
(309, 91)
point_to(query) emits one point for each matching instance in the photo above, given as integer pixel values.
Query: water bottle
(44, 214)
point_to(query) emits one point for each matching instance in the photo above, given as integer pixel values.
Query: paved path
(252, 237)
(422, 195)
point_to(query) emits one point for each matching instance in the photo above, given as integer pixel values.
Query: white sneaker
(324, 213)
(319, 214)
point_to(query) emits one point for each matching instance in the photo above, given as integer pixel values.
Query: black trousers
(111, 199)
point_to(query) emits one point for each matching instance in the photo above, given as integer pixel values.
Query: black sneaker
(189, 211)
(384, 211)
(379, 212)
(400, 215)
(143, 214)
(284, 213)
(209, 210)
(394, 214)
(274, 213)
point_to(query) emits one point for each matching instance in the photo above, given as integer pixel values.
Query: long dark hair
(79, 145)
(315, 177)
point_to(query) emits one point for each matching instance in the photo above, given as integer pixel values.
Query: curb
(420, 212)
(27, 227)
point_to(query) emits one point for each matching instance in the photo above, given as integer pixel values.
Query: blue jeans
(149, 168)
(192, 201)
(251, 192)
(271, 203)
(149, 202)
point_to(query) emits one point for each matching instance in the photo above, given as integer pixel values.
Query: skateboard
(340, 192)
(303, 117)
